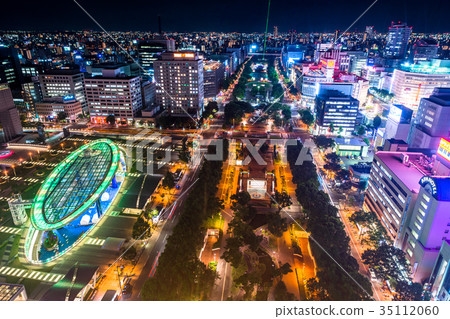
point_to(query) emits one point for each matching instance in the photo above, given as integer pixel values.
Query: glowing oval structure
(73, 198)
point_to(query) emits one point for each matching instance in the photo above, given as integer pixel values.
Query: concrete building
(213, 74)
(424, 50)
(432, 121)
(12, 292)
(49, 110)
(9, 116)
(398, 123)
(63, 82)
(439, 282)
(180, 86)
(333, 108)
(429, 226)
(113, 94)
(149, 51)
(393, 188)
(351, 147)
(411, 83)
(397, 40)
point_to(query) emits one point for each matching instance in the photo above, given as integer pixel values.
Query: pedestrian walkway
(30, 274)
(95, 241)
(10, 230)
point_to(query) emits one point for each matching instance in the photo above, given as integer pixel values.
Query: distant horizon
(320, 16)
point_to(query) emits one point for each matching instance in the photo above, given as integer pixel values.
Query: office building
(179, 78)
(397, 41)
(32, 94)
(424, 50)
(213, 74)
(393, 188)
(411, 83)
(398, 123)
(333, 108)
(149, 51)
(113, 94)
(432, 120)
(9, 116)
(429, 226)
(439, 282)
(12, 292)
(50, 110)
(59, 83)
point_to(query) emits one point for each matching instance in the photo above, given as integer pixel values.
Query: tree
(307, 117)
(141, 229)
(276, 225)
(282, 200)
(361, 130)
(324, 142)
(184, 155)
(111, 119)
(315, 290)
(61, 116)
(168, 181)
(282, 270)
(280, 293)
(408, 292)
(377, 122)
(130, 254)
(387, 261)
(331, 128)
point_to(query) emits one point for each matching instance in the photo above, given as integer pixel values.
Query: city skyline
(250, 17)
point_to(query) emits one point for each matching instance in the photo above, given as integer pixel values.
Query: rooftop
(409, 171)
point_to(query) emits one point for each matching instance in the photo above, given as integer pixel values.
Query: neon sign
(444, 149)
(430, 181)
(4, 154)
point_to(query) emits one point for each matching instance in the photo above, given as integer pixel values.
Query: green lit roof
(75, 184)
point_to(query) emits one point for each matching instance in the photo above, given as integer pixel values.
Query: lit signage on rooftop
(427, 180)
(183, 55)
(444, 149)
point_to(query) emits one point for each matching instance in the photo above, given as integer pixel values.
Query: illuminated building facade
(411, 83)
(50, 110)
(72, 199)
(9, 116)
(333, 108)
(112, 94)
(432, 121)
(180, 86)
(440, 276)
(213, 74)
(149, 51)
(63, 82)
(397, 41)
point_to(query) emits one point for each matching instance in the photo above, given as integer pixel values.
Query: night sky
(223, 15)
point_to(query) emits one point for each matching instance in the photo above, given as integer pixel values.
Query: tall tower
(275, 31)
(17, 209)
(397, 40)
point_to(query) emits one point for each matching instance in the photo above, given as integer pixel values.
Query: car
(373, 277)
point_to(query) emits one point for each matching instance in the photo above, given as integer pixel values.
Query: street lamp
(31, 157)
(6, 173)
(14, 170)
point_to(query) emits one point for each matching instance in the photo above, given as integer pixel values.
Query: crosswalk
(30, 274)
(19, 178)
(95, 241)
(10, 230)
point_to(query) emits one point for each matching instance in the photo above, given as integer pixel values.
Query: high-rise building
(424, 50)
(113, 94)
(411, 83)
(398, 123)
(397, 41)
(9, 116)
(439, 282)
(334, 108)
(393, 187)
(432, 121)
(149, 51)
(32, 94)
(179, 78)
(275, 31)
(213, 74)
(60, 83)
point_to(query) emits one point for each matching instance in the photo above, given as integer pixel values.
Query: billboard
(444, 149)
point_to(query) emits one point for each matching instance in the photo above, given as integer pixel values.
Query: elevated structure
(72, 199)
